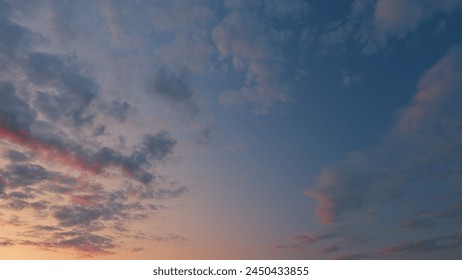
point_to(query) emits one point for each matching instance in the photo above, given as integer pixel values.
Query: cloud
(416, 224)
(446, 242)
(170, 193)
(75, 92)
(17, 175)
(272, 8)
(15, 114)
(63, 188)
(418, 161)
(6, 243)
(354, 257)
(401, 17)
(350, 78)
(439, 87)
(373, 23)
(16, 156)
(247, 41)
(118, 109)
(69, 216)
(328, 250)
(175, 88)
(364, 178)
(87, 244)
(14, 39)
(301, 242)
(206, 134)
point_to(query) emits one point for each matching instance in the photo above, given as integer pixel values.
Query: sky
(298, 129)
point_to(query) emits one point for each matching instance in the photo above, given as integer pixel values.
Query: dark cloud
(14, 39)
(158, 146)
(414, 248)
(354, 257)
(45, 228)
(168, 238)
(26, 174)
(417, 224)
(17, 204)
(175, 87)
(137, 249)
(328, 250)
(118, 110)
(152, 148)
(300, 242)
(451, 212)
(39, 205)
(58, 189)
(99, 130)
(6, 243)
(206, 134)
(85, 243)
(170, 193)
(69, 216)
(15, 113)
(74, 93)
(16, 156)
(20, 195)
(88, 243)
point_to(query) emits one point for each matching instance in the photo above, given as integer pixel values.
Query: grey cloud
(69, 216)
(176, 88)
(26, 174)
(206, 134)
(16, 156)
(119, 110)
(137, 249)
(168, 238)
(90, 243)
(39, 205)
(355, 257)
(446, 242)
(83, 242)
(99, 130)
(452, 211)
(170, 193)
(75, 90)
(20, 195)
(300, 242)
(45, 228)
(328, 250)
(15, 113)
(6, 243)
(416, 224)
(14, 39)
(152, 148)
(54, 188)
(17, 204)
(158, 146)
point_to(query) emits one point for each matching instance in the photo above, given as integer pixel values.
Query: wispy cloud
(413, 160)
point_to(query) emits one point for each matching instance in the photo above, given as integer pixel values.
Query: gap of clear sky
(231, 129)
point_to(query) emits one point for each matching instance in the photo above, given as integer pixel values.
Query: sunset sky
(231, 129)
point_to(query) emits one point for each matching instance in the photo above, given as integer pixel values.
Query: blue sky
(231, 129)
